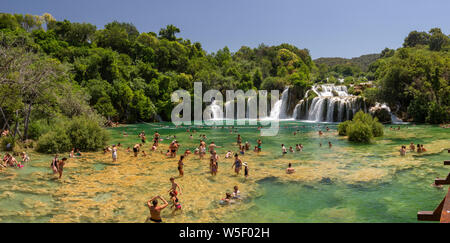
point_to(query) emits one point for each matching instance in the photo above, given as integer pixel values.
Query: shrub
(55, 141)
(81, 132)
(8, 140)
(86, 135)
(437, 114)
(362, 128)
(377, 128)
(342, 128)
(359, 132)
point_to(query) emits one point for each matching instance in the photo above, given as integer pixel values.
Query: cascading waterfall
(216, 110)
(331, 104)
(279, 109)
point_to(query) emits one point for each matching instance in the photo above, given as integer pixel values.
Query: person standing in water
(239, 140)
(180, 165)
(237, 164)
(155, 210)
(283, 149)
(259, 145)
(412, 148)
(174, 186)
(54, 164)
(245, 170)
(403, 150)
(290, 170)
(175, 203)
(60, 166)
(136, 148)
(114, 153)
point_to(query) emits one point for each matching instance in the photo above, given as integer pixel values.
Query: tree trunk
(27, 119)
(16, 128)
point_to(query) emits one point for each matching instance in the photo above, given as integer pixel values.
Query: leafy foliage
(362, 128)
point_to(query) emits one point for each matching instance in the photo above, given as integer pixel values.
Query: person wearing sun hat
(245, 169)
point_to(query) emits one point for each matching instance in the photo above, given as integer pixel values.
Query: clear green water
(347, 183)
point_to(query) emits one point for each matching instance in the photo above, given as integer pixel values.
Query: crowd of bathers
(9, 160)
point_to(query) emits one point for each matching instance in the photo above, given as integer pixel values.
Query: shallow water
(347, 183)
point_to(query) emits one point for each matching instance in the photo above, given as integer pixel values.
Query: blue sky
(340, 28)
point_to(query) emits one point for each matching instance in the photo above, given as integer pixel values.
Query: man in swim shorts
(155, 210)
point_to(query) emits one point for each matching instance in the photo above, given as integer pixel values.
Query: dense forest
(53, 71)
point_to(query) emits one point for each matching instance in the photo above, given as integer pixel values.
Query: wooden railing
(442, 212)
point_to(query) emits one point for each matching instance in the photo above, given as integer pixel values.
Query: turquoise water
(346, 183)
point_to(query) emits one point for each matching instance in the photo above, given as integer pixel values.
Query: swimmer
(25, 157)
(174, 186)
(236, 193)
(283, 149)
(71, 155)
(214, 168)
(227, 199)
(54, 164)
(228, 155)
(212, 147)
(246, 170)
(412, 148)
(136, 148)
(175, 203)
(180, 166)
(237, 164)
(291, 149)
(247, 145)
(155, 210)
(114, 153)
(290, 170)
(403, 150)
(60, 166)
(422, 148)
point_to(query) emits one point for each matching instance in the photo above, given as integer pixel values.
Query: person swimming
(227, 200)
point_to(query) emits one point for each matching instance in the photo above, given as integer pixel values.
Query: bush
(86, 135)
(8, 140)
(377, 128)
(55, 141)
(362, 128)
(342, 128)
(81, 132)
(437, 114)
(359, 132)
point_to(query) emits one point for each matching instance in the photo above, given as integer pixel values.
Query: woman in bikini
(237, 164)
(180, 165)
(175, 203)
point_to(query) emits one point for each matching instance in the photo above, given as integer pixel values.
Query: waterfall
(228, 106)
(332, 104)
(279, 109)
(394, 118)
(216, 110)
